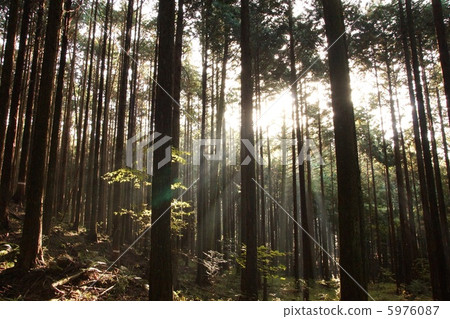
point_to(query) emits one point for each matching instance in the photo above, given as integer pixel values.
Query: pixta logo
(143, 146)
(140, 149)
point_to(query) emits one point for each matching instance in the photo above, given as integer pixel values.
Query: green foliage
(178, 185)
(266, 261)
(127, 175)
(178, 217)
(177, 155)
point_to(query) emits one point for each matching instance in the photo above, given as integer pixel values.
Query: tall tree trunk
(375, 201)
(437, 251)
(120, 132)
(444, 138)
(81, 168)
(50, 190)
(7, 69)
(31, 242)
(443, 48)
(64, 188)
(160, 256)
(296, 267)
(249, 275)
(305, 221)
(103, 188)
(203, 235)
(92, 236)
(7, 168)
(402, 200)
(19, 196)
(351, 218)
(323, 210)
(434, 152)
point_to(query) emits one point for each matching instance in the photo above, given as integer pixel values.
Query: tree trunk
(50, 190)
(351, 219)
(31, 243)
(402, 200)
(7, 69)
(12, 125)
(120, 133)
(437, 251)
(443, 48)
(160, 254)
(92, 236)
(19, 196)
(249, 275)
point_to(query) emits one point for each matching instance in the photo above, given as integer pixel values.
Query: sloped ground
(78, 270)
(74, 270)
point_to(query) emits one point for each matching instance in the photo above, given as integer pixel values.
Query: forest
(224, 150)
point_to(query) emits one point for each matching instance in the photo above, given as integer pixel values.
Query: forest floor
(78, 270)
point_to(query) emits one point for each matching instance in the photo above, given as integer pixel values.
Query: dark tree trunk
(444, 138)
(443, 48)
(31, 243)
(305, 222)
(437, 251)
(120, 132)
(64, 188)
(203, 234)
(92, 236)
(434, 152)
(160, 254)
(323, 210)
(249, 275)
(402, 200)
(351, 218)
(50, 190)
(7, 69)
(6, 173)
(19, 196)
(81, 168)
(103, 188)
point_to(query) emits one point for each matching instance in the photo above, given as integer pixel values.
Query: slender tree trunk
(323, 210)
(7, 166)
(92, 236)
(7, 69)
(120, 133)
(50, 190)
(249, 275)
(64, 188)
(103, 188)
(19, 196)
(81, 168)
(444, 138)
(402, 200)
(375, 201)
(443, 48)
(437, 251)
(434, 153)
(203, 236)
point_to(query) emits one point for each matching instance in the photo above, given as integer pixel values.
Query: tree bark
(160, 254)
(249, 275)
(350, 206)
(7, 69)
(31, 242)
(444, 55)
